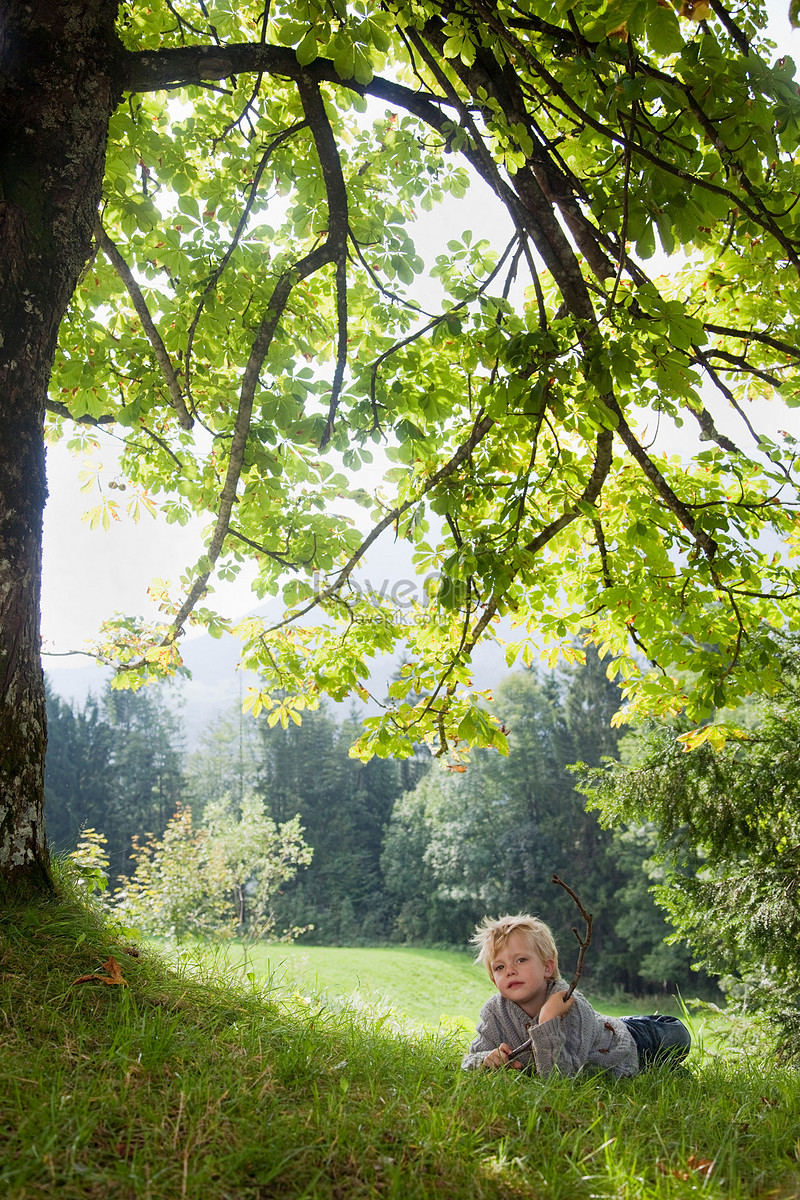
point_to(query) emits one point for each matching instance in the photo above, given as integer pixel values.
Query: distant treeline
(403, 851)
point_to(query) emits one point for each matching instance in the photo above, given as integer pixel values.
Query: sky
(90, 574)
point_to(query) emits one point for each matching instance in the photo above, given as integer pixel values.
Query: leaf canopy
(575, 423)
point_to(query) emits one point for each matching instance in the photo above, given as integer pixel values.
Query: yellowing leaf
(695, 10)
(715, 735)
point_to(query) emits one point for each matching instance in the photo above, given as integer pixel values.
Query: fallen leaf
(697, 1166)
(114, 975)
(703, 1166)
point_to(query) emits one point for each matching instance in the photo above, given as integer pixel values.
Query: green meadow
(334, 1074)
(431, 988)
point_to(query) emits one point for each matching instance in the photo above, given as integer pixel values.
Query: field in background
(428, 987)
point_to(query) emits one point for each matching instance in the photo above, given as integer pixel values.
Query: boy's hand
(555, 1006)
(499, 1058)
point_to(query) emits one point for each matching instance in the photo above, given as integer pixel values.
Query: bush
(214, 880)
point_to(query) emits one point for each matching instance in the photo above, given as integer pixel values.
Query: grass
(191, 1082)
(428, 987)
(432, 988)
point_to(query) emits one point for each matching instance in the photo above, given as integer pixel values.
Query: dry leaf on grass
(114, 975)
(696, 1166)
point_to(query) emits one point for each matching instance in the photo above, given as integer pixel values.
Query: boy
(522, 960)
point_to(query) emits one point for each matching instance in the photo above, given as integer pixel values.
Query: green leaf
(646, 242)
(345, 60)
(663, 30)
(308, 49)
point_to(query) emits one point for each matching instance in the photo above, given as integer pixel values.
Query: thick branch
(60, 410)
(754, 335)
(673, 502)
(331, 250)
(710, 432)
(312, 262)
(113, 255)
(237, 234)
(338, 229)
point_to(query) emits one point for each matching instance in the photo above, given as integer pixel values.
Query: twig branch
(584, 946)
(237, 236)
(582, 942)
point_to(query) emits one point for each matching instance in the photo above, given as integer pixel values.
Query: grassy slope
(178, 1086)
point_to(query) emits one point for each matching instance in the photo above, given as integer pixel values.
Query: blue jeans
(659, 1040)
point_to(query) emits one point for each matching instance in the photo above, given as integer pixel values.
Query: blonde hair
(492, 935)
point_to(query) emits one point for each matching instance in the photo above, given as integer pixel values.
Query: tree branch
(218, 270)
(673, 502)
(60, 410)
(119, 264)
(584, 943)
(334, 246)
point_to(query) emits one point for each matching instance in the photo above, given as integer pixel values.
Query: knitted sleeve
(582, 1039)
(487, 1037)
(565, 1043)
(500, 1021)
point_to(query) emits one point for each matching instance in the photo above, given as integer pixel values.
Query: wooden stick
(584, 946)
(582, 942)
(520, 1050)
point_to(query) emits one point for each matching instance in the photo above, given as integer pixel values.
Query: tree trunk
(57, 91)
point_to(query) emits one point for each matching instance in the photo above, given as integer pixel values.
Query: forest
(402, 851)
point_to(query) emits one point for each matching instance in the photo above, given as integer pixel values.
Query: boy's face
(520, 975)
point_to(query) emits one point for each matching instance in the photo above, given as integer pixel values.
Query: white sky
(91, 574)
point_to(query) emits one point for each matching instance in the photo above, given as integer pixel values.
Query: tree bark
(58, 72)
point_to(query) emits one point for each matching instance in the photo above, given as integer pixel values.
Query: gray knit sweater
(582, 1039)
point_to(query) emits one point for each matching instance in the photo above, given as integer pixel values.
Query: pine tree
(114, 764)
